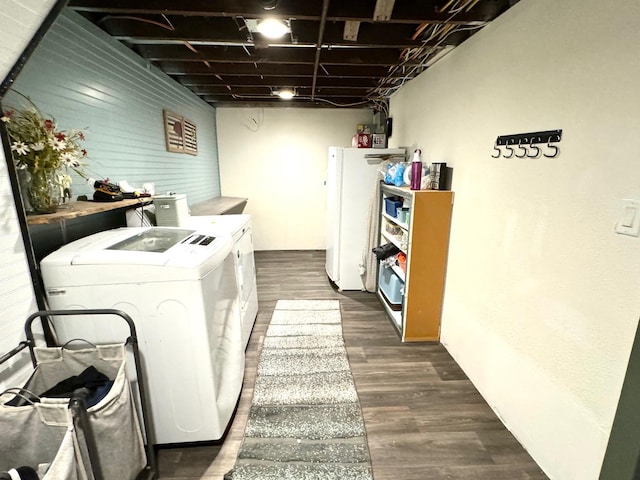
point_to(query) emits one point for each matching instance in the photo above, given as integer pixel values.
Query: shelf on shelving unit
(392, 239)
(404, 226)
(394, 315)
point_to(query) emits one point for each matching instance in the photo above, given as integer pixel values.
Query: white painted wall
(277, 157)
(18, 21)
(542, 296)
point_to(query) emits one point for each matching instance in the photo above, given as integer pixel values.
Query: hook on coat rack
(555, 148)
(524, 150)
(527, 142)
(534, 147)
(507, 147)
(498, 151)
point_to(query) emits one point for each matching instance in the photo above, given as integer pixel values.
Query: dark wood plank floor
(424, 418)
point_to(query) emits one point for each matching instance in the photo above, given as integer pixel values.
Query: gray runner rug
(305, 421)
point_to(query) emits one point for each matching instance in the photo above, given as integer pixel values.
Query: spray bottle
(416, 170)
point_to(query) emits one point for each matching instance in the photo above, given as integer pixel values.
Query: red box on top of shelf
(364, 140)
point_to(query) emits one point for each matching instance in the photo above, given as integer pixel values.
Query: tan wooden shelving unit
(426, 246)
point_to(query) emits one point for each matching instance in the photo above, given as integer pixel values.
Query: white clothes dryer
(239, 227)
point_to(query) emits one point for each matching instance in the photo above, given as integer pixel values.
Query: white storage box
(171, 210)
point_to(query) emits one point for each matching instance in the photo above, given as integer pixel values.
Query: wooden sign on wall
(180, 134)
(190, 138)
(173, 132)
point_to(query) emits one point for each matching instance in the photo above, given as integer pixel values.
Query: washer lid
(157, 240)
(176, 247)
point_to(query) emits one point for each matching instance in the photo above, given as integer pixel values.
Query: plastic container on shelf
(393, 229)
(391, 286)
(404, 241)
(402, 261)
(416, 170)
(402, 214)
(391, 205)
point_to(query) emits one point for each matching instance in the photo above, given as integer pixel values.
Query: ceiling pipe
(323, 21)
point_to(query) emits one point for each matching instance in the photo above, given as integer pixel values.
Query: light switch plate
(629, 220)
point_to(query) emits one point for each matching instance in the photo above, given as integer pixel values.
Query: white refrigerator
(351, 182)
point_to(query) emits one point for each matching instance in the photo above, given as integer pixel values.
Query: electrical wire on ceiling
(434, 31)
(424, 58)
(304, 97)
(414, 70)
(468, 5)
(424, 53)
(169, 26)
(381, 105)
(335, 104)
(189, 46)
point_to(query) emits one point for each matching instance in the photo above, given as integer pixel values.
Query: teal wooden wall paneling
(84, 78)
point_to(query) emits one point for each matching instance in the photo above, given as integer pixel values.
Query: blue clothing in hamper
(90, 378)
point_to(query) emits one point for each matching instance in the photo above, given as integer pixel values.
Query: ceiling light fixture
(273, 28)
(285, 93)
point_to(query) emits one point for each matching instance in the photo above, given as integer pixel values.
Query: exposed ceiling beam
(295, 102)
(223, 90)
(361, 56)
(270, 69)
(407, 12)
(328, 82)
(225, 31)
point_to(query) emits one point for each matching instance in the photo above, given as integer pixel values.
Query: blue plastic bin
(391, 286)
(391, 205)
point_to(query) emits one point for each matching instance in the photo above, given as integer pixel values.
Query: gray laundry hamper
(43, 435)
(102, 442)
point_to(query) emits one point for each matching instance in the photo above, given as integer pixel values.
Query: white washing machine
(239, 227)
(179, 287)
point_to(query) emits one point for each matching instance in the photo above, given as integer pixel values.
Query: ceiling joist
(338, 53)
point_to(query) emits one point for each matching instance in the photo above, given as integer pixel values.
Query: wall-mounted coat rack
(524, 145)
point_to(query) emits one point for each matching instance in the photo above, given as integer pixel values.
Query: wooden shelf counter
(75, 209)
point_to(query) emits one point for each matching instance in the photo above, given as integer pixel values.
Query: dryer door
(248, 291)
(246, 268)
